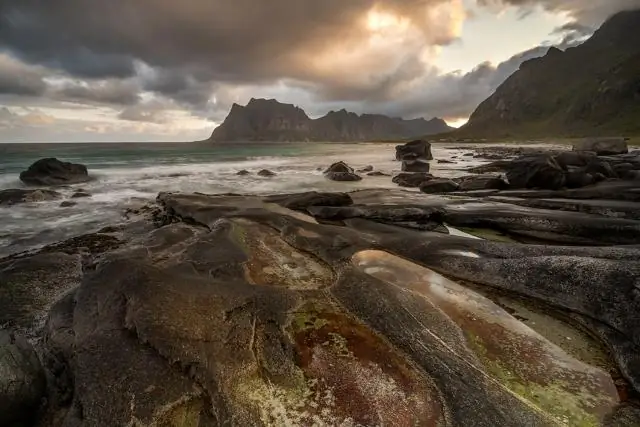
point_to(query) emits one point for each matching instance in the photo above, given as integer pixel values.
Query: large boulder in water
(542, 172)
(418, 149)
(52, 171)
(603, 146)
(480, 182)
(411, 180)
(435, 186)
(19, 195)
(22, 380)
(341, 171)
(415, 166)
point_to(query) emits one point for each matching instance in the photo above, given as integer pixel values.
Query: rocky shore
(494, 306)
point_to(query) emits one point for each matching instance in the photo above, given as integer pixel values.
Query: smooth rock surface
(418, 149)
(15, 196)
(340, 171)
(52, 171)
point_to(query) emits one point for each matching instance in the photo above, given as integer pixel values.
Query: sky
(163, 70)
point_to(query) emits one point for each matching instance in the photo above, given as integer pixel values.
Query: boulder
(14, 196)
(67, 204)
(415, 166)
(439, 186)
(418, 149)
(480, 182)
(411, 180)
(366, 169)
(599, 166)
(445, 162)
(22, 380)
(80, 195)
(377, 173)
(578, 179)
(621, 168)
(51, 171)
(243, 172)
(536, 172)
(302, 201)
(340, 171)
(574, 158)
(603, 146)
(266, 173)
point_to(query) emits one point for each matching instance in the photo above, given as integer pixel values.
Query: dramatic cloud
(17, 78)
(119, 92)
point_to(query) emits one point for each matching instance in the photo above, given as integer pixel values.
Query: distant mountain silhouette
(270, 120)
(590, 89)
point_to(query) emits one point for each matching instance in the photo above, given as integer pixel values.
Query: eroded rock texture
(321, 309)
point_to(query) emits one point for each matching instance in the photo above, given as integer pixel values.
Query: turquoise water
(130, 175)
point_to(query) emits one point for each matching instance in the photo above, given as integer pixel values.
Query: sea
(129, 175)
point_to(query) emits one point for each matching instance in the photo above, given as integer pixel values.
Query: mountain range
(590, 89)
(270, 120)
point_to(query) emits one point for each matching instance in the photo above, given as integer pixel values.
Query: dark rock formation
(269, 120)
(22, 380)
(415, 166)
(536, 172)
(366, 169)
(80, 195)
(243, 172)
(439, 186)
(67, 204)
(340, 171)
(15, 196)
(418, 149)
(411, 180)
(479, 182)
(377, 173)
(52, 171)
(445, 162)
(266, 173)
(235, 310)
(602, 146)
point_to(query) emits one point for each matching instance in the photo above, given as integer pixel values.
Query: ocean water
(129, 175)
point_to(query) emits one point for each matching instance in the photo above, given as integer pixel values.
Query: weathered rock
(567, 159)
(578, 179)
(536, 172)
(418, 149)
(480, 182)
(600, 167)
(424, 218)
(67, 204)
(603, 146)
(467, 155)
(366, 169)
(340, 171)
(415, 166)
(411, 180)
(302, 201)
(445, 161)
(22, 380)
(438, 186)
(493, 167)
(243, 172)
(15, 196)
(266, 173)
(51, 171)
(378, 173)
(80, 195)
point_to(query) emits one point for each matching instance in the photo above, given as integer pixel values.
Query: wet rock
(302, 201)
(536, 172)
(631, 175)
(80, 195)
(411, 180)
(467, 155)
(578, 179)
(600, 167)
(445, 161)
(493, 167)
(574, 158)
(415, 166)
(366, 169)
(378, 173)
(340, 171)
(266, 173)
(423, 218)
(67, 204)
(621, 168)
(479, 182)
(16, 196)
(438, 186)
(243, 172)
(418, 149)
(603, 146)
(51, 171)
(22, 380)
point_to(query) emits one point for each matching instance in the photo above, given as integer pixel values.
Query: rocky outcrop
(439, 186)
(52, 171)
(22, 380)
(415, 166)
(341, 171)
(16, 196)
(237, 310)
(536, 172)
(418, 149)
(265, 173)
(411, 180)
(603, 146)
(270, 120)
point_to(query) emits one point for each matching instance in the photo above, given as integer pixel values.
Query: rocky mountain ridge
(270, 120)
(590, 89)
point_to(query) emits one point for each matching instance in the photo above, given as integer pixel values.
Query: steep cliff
(270, 120)
(590, 89)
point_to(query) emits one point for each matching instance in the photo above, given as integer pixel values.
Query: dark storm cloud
(118, 92)
(17, 78)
